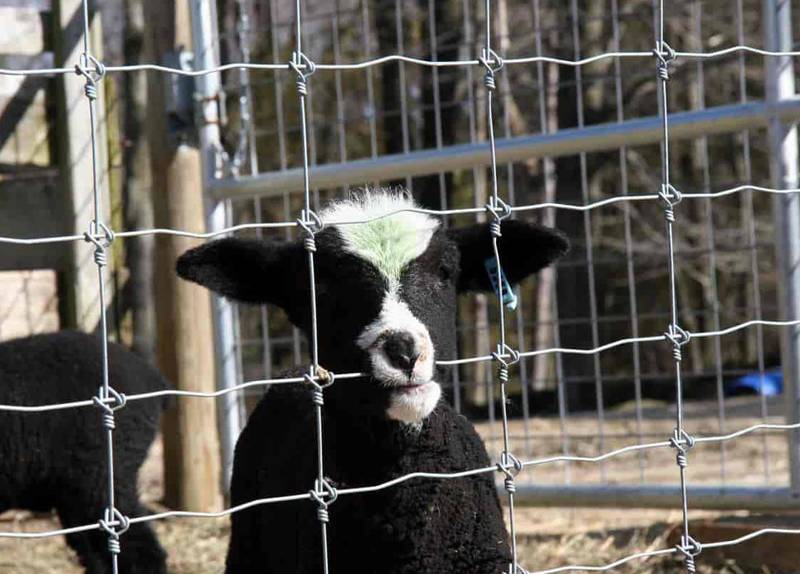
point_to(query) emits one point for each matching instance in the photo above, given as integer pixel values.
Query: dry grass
(548, 537)
(551, 538)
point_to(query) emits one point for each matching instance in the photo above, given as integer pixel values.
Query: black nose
(401, 351)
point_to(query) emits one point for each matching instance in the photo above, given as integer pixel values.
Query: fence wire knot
(682, 442)
(115, 524)
(93, 71)
(665, 55)
(311, 224)
(319, 380)
(493, 64)
(691, 549)
(507, 357)
(671, 197)
(324, 494)
(510, 466)
(100, 241)
(325, 378)
(304, 68)
(499, 210)
(100, 400)
(678, 337)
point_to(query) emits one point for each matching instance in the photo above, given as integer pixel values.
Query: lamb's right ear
(247, 270)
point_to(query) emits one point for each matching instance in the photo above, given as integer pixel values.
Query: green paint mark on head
(389, 242)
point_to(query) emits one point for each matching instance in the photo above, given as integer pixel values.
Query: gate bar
(610, 136)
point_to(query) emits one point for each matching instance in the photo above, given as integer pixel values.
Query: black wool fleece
(442, 525)
(57, 460)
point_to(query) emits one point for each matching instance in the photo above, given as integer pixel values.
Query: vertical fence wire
(247, 134)
(277, 77)
(548, 167)
(444, 204)
(712, 289)
(481, 376)
(341, 129)
(402, 83)
(477, 174)
(628, 232)
(473, 136)
(371, 109)
(433, 44)
(237, 347)
(310, 223)
(519, 315)
(589, 246)
(505, 356)
(113, 522)
(750, 217)
(681, 440)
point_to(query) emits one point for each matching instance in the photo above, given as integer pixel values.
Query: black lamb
(57, 460)
(386, 305)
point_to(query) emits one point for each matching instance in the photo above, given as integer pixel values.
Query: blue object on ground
(770, 385)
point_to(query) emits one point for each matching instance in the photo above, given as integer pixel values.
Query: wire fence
(99, 237)
(714, 255)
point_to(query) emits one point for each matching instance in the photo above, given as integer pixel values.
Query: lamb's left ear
(524, 247)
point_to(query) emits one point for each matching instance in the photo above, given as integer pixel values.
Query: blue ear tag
(509, 297)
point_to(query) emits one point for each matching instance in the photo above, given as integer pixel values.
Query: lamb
(386, 306)
(57, 460)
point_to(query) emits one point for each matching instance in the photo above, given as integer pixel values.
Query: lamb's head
(386, 289)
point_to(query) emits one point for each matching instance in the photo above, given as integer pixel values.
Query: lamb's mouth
(412, 388)
(412, 402)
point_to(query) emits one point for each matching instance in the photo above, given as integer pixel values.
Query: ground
(548, 538)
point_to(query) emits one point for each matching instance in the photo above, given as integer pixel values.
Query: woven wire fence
(614, 242)
(499, 207)
(354, 118)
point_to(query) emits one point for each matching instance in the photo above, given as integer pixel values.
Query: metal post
(204, 30)
(784, 172)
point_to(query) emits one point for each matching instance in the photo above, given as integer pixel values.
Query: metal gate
(397, 98)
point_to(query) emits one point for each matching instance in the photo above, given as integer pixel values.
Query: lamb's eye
(445, 273)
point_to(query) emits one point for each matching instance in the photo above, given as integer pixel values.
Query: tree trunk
(545, 286)
(439, 88)
(391, 85)
(136, 187)
(573, 278)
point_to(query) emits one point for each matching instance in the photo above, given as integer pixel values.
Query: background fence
(622, 283)
(577, 135)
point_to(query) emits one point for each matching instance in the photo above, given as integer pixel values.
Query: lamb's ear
(524, 247)
(247, 270)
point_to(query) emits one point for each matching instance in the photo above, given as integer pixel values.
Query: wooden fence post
(75, 159)
(183, 310)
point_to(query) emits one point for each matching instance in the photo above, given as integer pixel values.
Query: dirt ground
(548, 537)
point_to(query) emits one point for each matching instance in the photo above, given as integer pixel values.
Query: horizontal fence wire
(664, 552)
(280, 66)
(415, 475)
(440, 212)
(303, 68)
(665, 338)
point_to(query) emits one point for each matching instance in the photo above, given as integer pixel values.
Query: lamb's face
(386, 291)
(397, 304)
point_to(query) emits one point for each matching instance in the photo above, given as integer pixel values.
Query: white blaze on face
(415, 394)
(390, 243)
